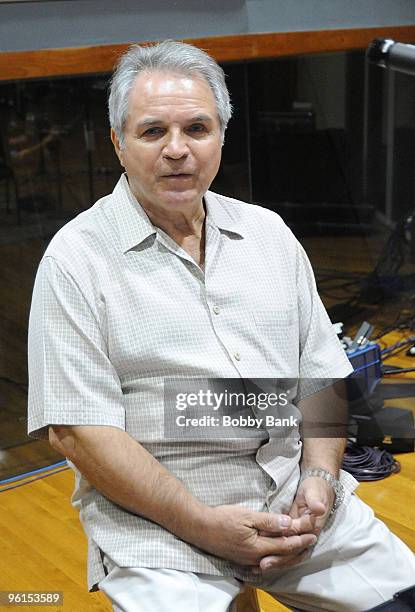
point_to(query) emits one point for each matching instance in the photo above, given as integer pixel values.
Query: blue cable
(402, 343)
(44, 469)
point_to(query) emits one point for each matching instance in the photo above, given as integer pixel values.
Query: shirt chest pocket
(278, 337)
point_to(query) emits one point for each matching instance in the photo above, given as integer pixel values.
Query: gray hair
(172, 56)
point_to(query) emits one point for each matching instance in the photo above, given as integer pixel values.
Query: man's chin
(182, 197)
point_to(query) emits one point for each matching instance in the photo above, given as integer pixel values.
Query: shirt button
(216, 309)
(237, 356)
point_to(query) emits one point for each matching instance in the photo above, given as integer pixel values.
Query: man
(163, 281)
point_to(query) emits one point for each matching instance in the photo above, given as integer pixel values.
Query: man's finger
(270, 564)
(288, 545)
(316, 507)
(270, 523)
(303, 524)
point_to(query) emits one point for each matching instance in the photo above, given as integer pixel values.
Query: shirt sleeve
(321, 354)
(71, 378)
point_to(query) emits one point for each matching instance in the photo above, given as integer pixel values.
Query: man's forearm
(124, 472)
(325, 419)
(326, 453)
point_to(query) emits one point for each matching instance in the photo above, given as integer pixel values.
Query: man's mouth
(177, 175)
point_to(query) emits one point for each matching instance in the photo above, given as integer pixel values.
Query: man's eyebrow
(148, 121)
(201, 118)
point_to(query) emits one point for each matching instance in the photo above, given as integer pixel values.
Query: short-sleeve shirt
(119, 308)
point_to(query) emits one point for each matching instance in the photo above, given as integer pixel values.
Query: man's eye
(197, 127)
(154, 131)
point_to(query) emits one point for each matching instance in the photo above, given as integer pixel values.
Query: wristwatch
(338, 488)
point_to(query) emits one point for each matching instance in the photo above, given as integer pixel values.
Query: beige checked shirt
(119, 308)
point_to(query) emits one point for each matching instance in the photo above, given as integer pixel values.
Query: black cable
(396, 348)
(395, 352)
(384, 280)
(395, 325)
(366, 463)
(397, 371)
(386, 330)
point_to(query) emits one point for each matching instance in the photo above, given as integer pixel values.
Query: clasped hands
(263, 541)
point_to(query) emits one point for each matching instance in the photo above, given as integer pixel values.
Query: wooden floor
(43, 546)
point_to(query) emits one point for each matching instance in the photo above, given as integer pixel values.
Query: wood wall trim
(96, 59)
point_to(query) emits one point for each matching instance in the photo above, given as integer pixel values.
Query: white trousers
(357, 565)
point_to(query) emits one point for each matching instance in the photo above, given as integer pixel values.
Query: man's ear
(116, 142)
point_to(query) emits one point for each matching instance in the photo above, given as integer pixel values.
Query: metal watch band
(338, 488)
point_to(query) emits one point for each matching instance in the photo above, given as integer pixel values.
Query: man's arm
(324, 414)
(324, 427)
(324, 431)
(326, 453)
(122, 470)
(316, 495)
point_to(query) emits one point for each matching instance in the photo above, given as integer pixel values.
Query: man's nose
(176, 146)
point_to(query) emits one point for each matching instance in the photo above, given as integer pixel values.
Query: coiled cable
(366, 463)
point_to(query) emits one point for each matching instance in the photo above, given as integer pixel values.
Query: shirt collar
(134, 226)
(226, 218)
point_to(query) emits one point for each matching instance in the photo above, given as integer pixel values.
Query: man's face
(172, 140)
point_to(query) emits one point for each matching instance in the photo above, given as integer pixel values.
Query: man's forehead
(156, 93)
(159, 83)
(165, 83)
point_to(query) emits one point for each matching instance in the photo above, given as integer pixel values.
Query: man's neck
(181, 225)
(187, 230)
